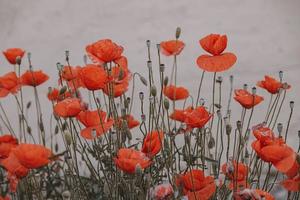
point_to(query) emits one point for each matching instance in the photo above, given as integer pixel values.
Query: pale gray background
(263, 34)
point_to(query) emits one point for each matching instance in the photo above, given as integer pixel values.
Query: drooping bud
(63, 90)
(143, 80)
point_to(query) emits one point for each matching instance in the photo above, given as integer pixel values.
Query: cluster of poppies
(19, 158)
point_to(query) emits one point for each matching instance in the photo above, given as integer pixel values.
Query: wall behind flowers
(263, 34)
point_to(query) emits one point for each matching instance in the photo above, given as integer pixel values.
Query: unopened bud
(202, 102)
(149, 64)
(178, 32)
(68, 138)
(18, 60)
(231, 79)
(254, 90)
(85, 59)
(158, 47)
(219, 79)
(143, 80)
(62, 90)
(127, 102)
(58, 66)
(239, 125)
(166, 80)
(166, 104)
(211, 143)
(153, 90)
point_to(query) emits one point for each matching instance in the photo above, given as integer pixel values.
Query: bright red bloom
(68, 107)
(246, 99)
(93, 77)
(122, 62)
(237, 173)
(13, 166)
(116, 90)
(7, 143)
(33, 78)
(195, 185)
(95, 122)
(180, 115)
(161, 192)
(129, 160)
(292, 184)
(104, 51)
(4, 198)
(54, 95)
(131, 122)
(152, 143)
(12, 54)
(197, 118)
(271, 85)
(215, 44)
(172, 47)
(32, 155)
(176, 93)
(9, 83)
(69, 73)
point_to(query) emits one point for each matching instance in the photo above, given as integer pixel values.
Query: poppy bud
(280, 75)
(143, 80)
(245, 87)
(211, 143)
(153, 90)
(162, 68)
(279, 128)
(166, 80)
(141, 96)
(18, 60)
(178, 32)
(29, 56)
(292, 104)
(148, 42)
(67, 54)
(166, 104)
(62, 90)
(285, 86)
(68, 138)
(28, 130)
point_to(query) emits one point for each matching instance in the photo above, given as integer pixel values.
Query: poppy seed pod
(68, 138)
(178, 32)
(292, 103)
(141, 96)
(148, 43)
(279, 128)
(211, 143)
(280, 75)
(166, 104)
(162, 67)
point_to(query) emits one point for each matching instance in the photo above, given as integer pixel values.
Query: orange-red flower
(104, 51)
(180, 115)
(13, 166)
(129, 160)
(237, 173)
(7, 143)
(9, 83)
(195, 185)
(271, 85)
(252, 194)
(152, 143)
(176, 93)
(33, 78)
(68, 107)
(161, 192)
(131, 122)
(4, 198)
(292, 184)
(95, 122)
(32, 155)
(218, 61)
(115, 89)
(246, 99)
(197, 118)
(12, 54)
(93, 77)
(69, 73)
(54, 95)
(172, 47)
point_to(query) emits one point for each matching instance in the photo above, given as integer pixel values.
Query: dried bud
(143, 80)
(166, 104)
(166, 80)
(68, 138)
(18, 60)
(178, 32)
(153, 90)
(141, 96)
(292, 103)
(211, 143)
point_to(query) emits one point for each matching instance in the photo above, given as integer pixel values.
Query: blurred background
(264, 34)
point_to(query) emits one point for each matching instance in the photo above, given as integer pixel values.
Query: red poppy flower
(95, 126)
(12, 54)
(195, 185)
(54, 95)
(4, 198)
(131, 122)
(68, 107)
(129, 160)
(116, 90)
(33, 78)
(104, 51)
(13, 165)
(122, 62)
(172, 47)
(197, 118)
(176, 93)
(7, 143)
(246, 99)
(93, 77)
(232, 174)
(9, 83)
(69, 73)
(271, 85)
(264, 134)
(32, 155)
(180, 115)
(252, 194)
(215, 44)
(153, 143)
(161, 192)
(292, 184)
(120, 74)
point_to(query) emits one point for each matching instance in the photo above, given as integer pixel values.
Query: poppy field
(180, 146)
